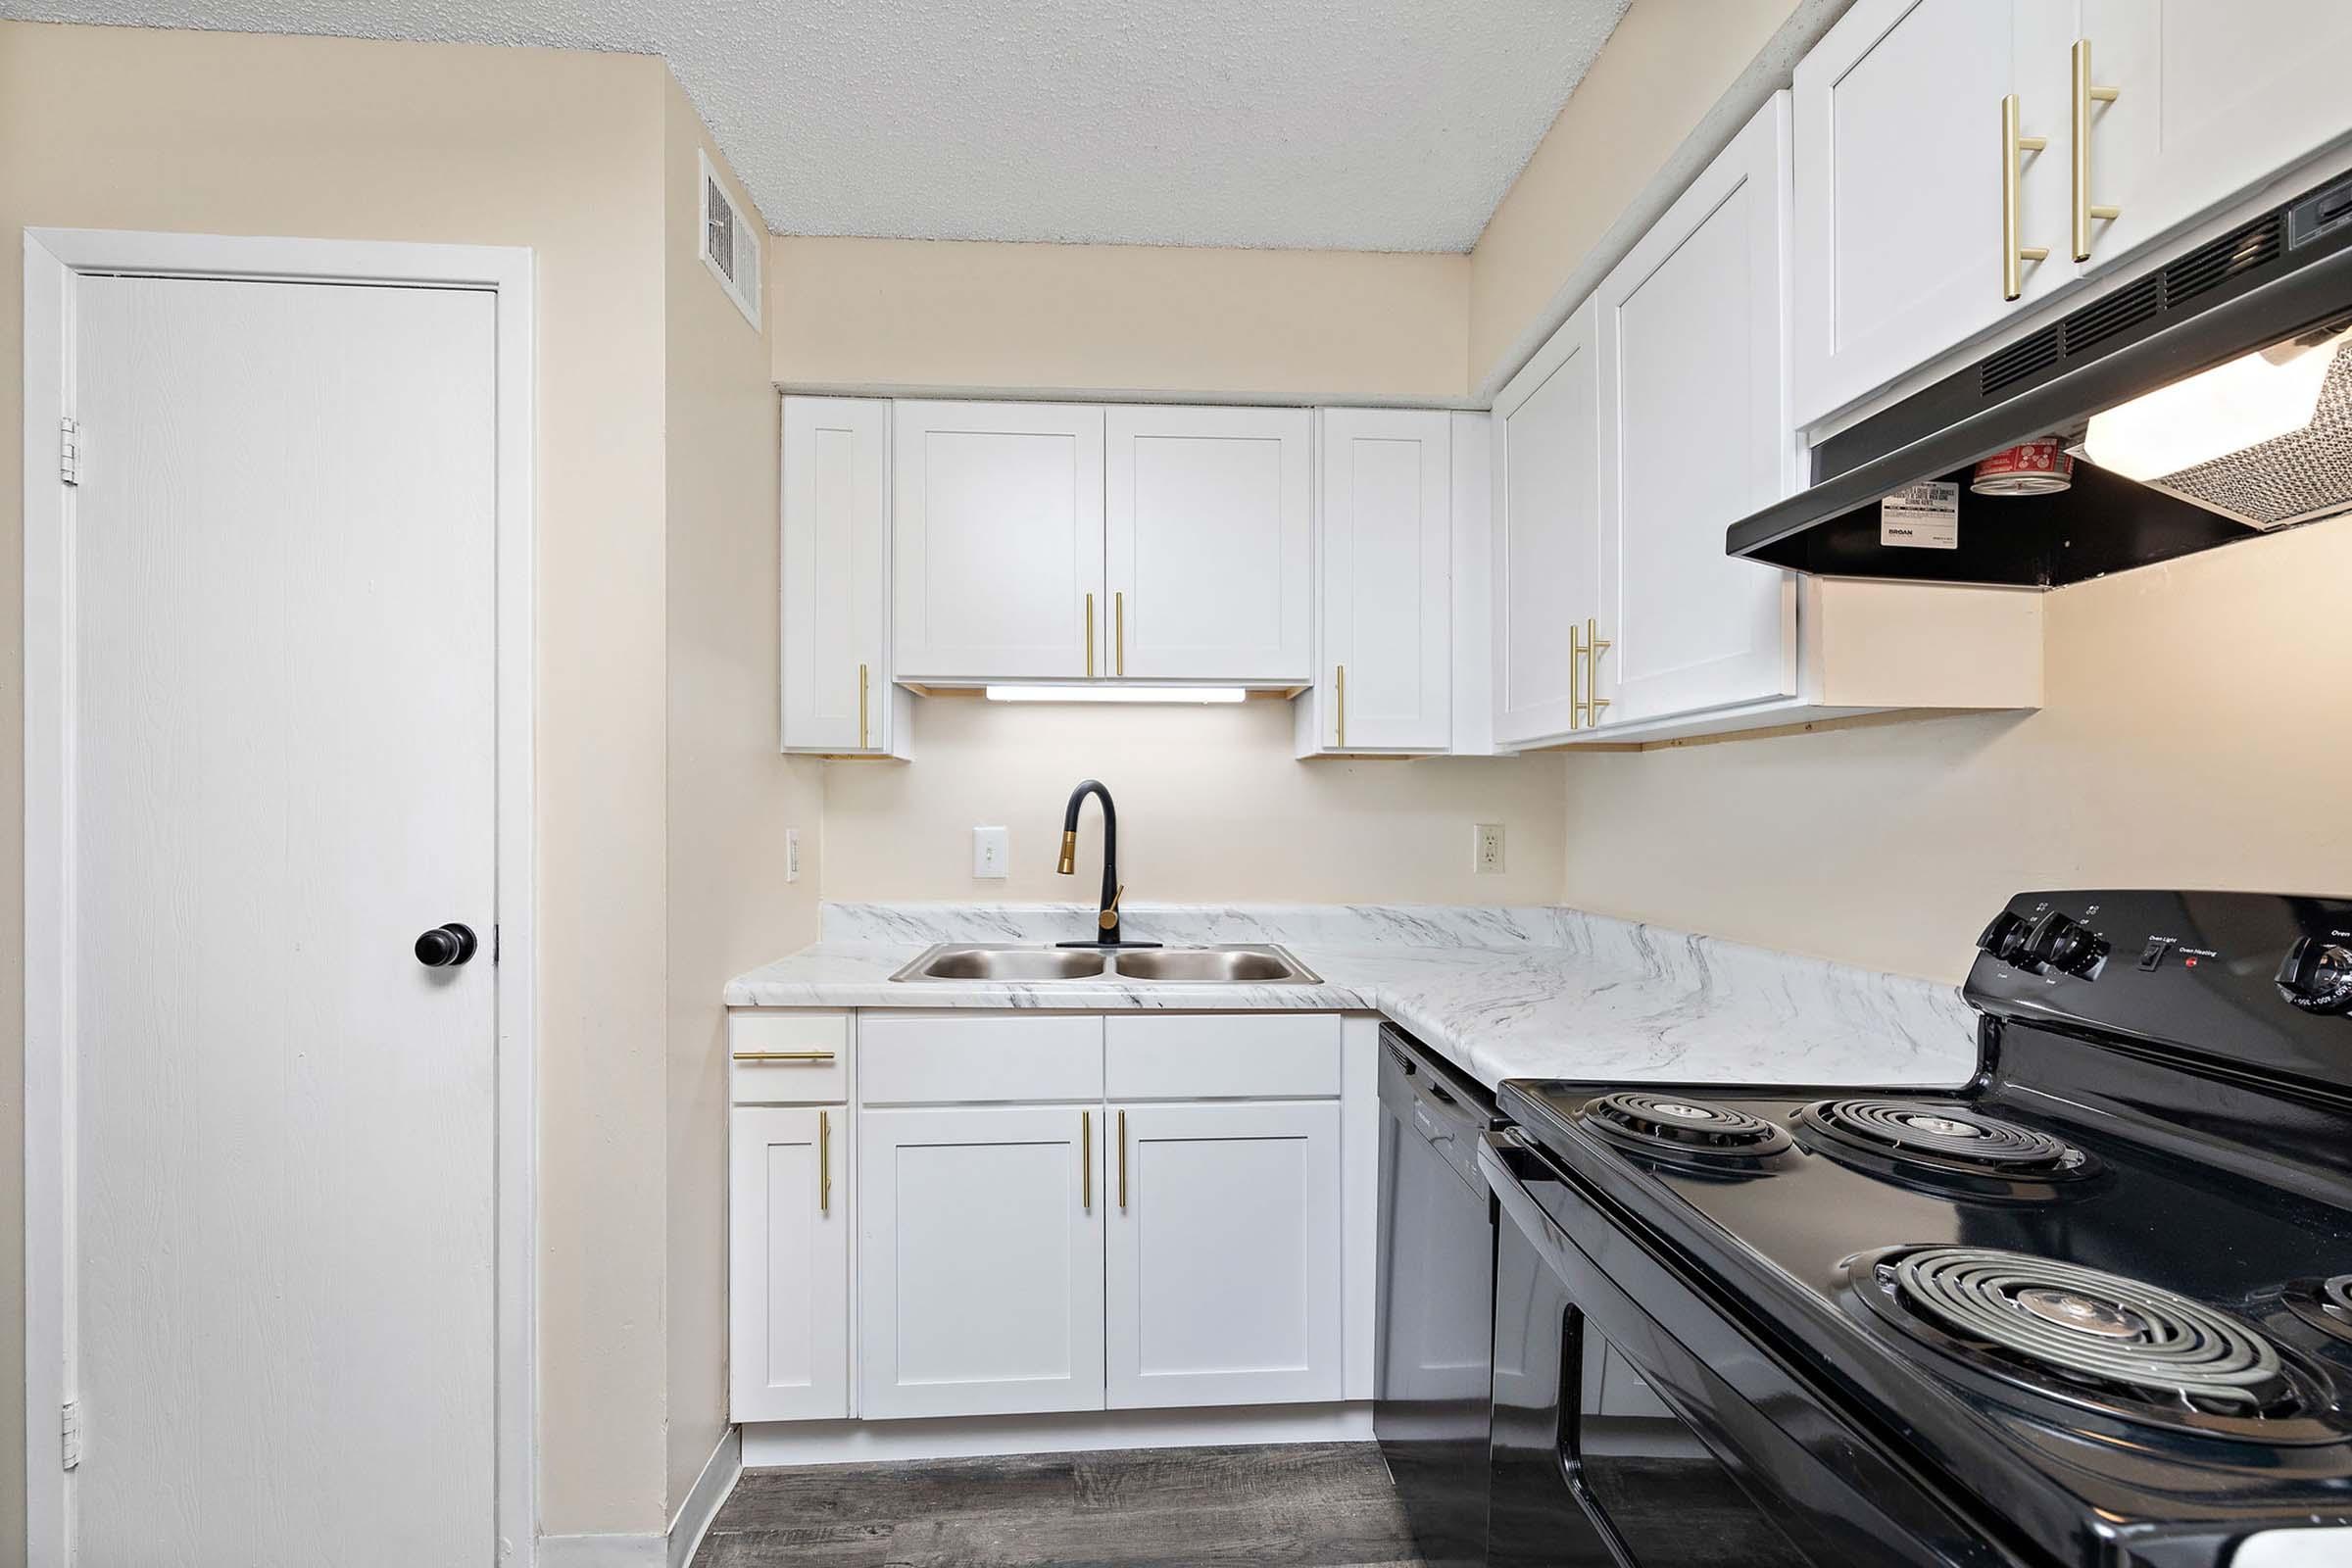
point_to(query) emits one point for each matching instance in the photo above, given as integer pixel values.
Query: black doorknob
(446, 945)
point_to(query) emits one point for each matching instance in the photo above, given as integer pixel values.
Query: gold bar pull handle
(2087, 212)
(1594, 646)
(1122, 1162)
(1086, 1161)
(2014, 254)
(1118, 627)
(1090, 636)
(1340, 679)
(784, 1056)
(1576, 677)
(862, 742)
(825, 1162)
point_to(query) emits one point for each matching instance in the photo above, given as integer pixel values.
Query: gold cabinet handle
(824, 1164)
(2086, 211)
(862, 742)
(1122, 1162)
(1090, 636)
(1594, 646)
(1576, 677)
(1340, 679)
(1118, 627)
(784, 1056)
(2014, 254)
(1086, 1161)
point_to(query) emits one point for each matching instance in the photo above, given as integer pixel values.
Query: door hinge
(69, 1434)
(69, 451)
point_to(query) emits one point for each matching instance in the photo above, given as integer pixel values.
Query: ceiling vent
(730, 246)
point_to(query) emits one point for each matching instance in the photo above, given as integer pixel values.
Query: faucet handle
(1110, 912)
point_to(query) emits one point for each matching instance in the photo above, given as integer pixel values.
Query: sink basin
(955, 962)
(1241, 965)
(1225, 966)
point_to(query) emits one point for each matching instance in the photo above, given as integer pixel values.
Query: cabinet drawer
(979, 1058)
(1263, 1055)
(809, 1056)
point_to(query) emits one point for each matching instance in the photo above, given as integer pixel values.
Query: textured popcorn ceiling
(1356, 124)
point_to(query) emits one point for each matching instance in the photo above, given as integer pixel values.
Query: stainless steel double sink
(1236, 965)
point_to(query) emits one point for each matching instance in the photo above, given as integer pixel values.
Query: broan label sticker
(1922, 516)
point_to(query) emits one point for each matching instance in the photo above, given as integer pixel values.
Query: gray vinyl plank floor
(1305, 1505)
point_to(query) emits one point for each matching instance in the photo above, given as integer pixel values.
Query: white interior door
(1209, 539)
(980, 1261)
(1694, 435)
(1223, 1256)
(789, 1286)
(997, 536)
(280, 731)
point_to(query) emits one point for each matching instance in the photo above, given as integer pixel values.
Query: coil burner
(1676, 1127)
(2096, 1341)
(2325, 1304)
(1942, 1145)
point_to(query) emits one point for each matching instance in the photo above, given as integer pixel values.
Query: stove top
(2107, 1288)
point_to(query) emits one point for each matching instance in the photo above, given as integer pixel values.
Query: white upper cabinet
(1209, 543)
(1384, 529)
(838, 696)
(2212, 98)
(1223, 1254)
(789, 1298)
(998, 534)
(1900, 219)
(1695, 434)
(1547, 530)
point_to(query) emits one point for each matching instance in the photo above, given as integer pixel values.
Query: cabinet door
(788, 1293)
(1224, 1254)
(836, 558)
(1547, 530)
(997, 527)
(1694, 435)
(2212, 98)
(1209, 543)
(980, 1247)
(1385, 532)
(1898, 191)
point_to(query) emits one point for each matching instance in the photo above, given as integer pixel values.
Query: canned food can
(2029, 468)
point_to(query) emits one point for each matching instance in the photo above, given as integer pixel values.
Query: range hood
(2204, 402)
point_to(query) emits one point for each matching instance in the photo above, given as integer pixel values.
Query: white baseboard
(781, 1442)
(675, 1548)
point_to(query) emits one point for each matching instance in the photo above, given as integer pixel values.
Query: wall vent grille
(730, 244)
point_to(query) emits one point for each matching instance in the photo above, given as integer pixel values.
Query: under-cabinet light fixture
(1114, 694)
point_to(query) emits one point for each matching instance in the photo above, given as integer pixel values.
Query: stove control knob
(2059, 943)
(2317, 976)
(2005, 938)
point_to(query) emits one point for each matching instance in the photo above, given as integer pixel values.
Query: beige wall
(1212, 807)
(730, 795)
(2187, 742)
(1660, 73)
(1041, 320)
(562, 152)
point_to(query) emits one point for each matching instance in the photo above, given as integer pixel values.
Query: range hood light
(2256, 398)
(1114, 694)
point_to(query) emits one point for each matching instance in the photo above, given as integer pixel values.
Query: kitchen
(1540, 628)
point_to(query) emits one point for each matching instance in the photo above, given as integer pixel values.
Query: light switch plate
(792, 855)
(989, 852)
(1487, 850)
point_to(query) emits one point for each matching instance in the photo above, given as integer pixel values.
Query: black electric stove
(2095, 1308)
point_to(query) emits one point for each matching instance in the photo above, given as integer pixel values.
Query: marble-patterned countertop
(1503, 993)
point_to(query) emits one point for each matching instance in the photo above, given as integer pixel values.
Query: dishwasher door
(1435, 1301)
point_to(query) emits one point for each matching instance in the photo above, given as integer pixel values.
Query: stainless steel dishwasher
(1431, 1392)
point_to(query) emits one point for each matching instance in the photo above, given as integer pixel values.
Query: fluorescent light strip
(1114, 694)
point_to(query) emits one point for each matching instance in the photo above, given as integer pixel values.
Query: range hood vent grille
(2121, 310)
(2209, 266)
(2024, 357)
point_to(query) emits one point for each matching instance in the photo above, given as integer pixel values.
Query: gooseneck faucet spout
(1107, 917)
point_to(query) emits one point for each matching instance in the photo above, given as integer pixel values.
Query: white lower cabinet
(980, 1244)
(789, 1299)
(1223, 1254)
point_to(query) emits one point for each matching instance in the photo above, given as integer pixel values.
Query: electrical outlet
(989, 853)
(792, 855)
(1487, 849)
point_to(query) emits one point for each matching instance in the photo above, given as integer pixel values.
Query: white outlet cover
(990, 853)
(792, 855)
(1485, 849)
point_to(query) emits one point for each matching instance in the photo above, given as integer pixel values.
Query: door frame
(55, 259)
